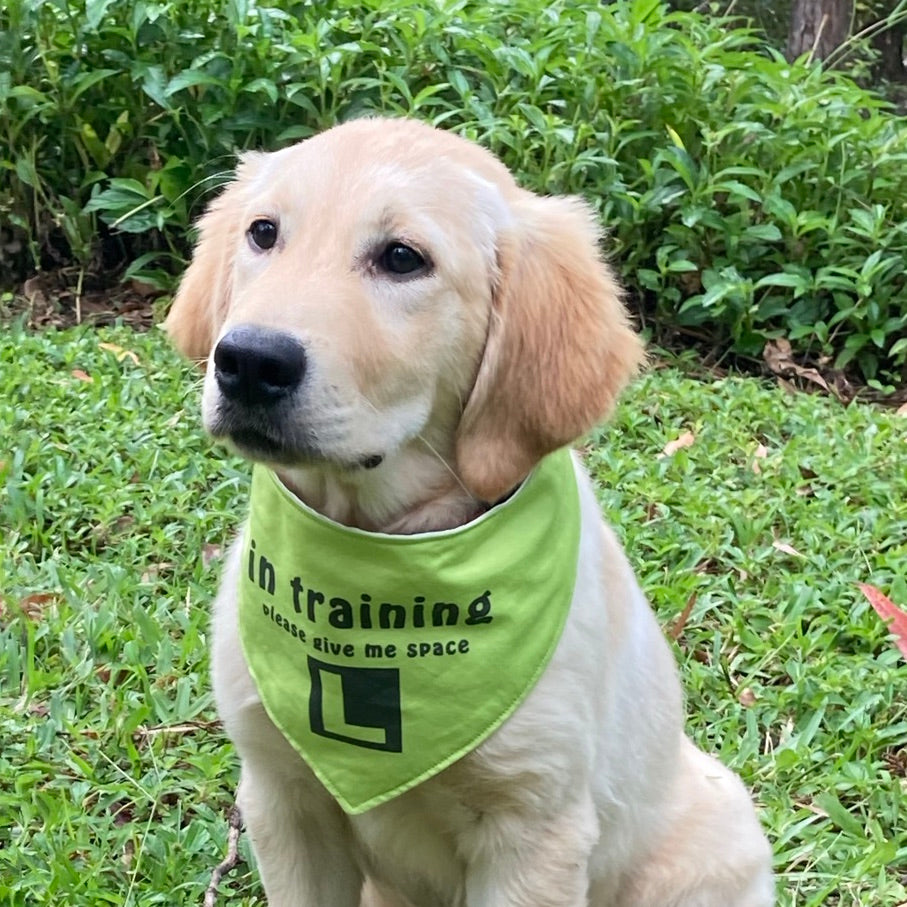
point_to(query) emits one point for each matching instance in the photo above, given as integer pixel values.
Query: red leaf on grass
(890, 613)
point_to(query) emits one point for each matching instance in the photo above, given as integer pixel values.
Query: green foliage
(746, 197)
(113, 781)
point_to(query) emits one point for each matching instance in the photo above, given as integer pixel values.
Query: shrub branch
(232, 859)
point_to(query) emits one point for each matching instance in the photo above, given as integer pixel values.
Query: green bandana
(384, 658)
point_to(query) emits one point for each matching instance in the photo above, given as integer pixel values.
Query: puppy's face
(385, 282)
(360, 291)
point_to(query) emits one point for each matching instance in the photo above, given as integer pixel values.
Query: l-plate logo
(360, 706)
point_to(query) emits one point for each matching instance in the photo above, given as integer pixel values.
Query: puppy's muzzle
(258, 367)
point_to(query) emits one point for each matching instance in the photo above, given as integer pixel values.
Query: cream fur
(514, 343)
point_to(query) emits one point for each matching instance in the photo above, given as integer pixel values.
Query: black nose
(256, 366)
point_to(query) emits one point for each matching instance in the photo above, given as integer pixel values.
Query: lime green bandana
(384, 658)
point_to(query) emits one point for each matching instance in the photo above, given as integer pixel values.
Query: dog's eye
(398, 258)
(263, 233)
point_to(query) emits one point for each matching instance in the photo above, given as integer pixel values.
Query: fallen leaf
(787, 549)
(31, 286)
(144, 289)
(687, 439)
(746, 697)
(154, 571)
(891, 614)
(211, 552)
(121, 811)
(120, 352)
(33, 606)
(777, 354)
(682, 618)
(778, 357)
(896, 760)
(760, 454)
(810, 374)
(104, 674)
(901, 410)
(82, 376)
(709, 566)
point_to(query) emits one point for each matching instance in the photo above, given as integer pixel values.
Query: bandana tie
(384, 658)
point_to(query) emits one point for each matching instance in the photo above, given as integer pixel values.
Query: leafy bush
(746, 197)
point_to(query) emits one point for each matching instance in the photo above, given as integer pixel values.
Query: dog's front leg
(300, 836)
(517, 861)
(302, 847)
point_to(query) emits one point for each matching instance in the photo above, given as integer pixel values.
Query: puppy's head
(387, 284)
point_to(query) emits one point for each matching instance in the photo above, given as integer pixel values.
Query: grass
(114, 782)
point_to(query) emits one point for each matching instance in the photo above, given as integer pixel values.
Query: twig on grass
(233, 859)
(142, 732)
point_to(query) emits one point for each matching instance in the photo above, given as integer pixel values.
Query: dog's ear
(559, 349)
(203, 298)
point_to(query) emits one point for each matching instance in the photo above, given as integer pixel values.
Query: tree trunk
(890, 45)
(818, 26)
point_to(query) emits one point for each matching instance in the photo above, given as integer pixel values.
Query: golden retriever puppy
(444, 684)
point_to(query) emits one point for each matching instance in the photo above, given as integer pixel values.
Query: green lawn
(114, 783)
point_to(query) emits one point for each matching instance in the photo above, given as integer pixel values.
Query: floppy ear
(559, 350)
(203, 297)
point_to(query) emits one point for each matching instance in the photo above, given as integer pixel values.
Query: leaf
(760, 454)
(25, 171)
(266, 86)
(768, 232)
(211, 552)
(735, 187)
(120, 352)
(86, 80)
(783, 279)
(154, 571)
(682, 618)
(459, 83)
(189, 79)
(746, 697)
(687, 439)
(832, 807)
(94, 12)
(33, 606)
(675, 138)
(779, 358)
(894, 616)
